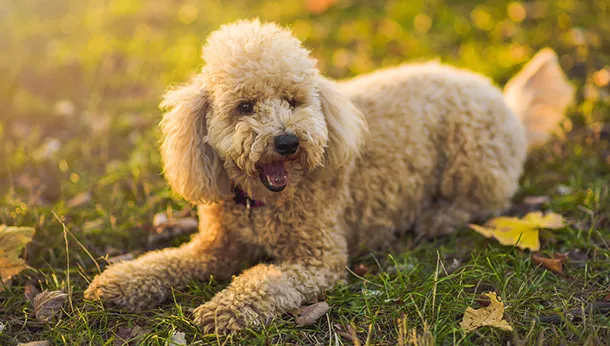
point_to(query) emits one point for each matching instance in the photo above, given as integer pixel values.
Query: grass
(80, 89)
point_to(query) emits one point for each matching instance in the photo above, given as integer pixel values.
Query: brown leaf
(309, 314)
(34, 343)
(12, 242)
(552, 264)
(48, 304)
(80, 199)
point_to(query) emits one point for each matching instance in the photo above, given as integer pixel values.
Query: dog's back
(444, 148)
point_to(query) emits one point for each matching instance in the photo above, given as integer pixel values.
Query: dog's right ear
(192, 167)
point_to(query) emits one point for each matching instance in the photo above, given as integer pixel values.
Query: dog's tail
(539, 95)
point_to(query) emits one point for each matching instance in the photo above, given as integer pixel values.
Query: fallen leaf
(176, 339)
(12, 242)
(523, 233)
(490, 316)
(552, 264)
(309, 314)
(34, 343)
(548, 220)
(48, 304)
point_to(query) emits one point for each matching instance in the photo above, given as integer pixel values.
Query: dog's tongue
(276, 173)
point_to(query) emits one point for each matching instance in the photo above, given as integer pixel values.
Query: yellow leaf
(512, 232)
(523, 233)
(552, 221)
(490, 316)
(12, 242)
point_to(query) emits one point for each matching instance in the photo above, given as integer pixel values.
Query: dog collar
(241, 197)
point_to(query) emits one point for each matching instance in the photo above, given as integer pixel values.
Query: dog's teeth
(270, 182)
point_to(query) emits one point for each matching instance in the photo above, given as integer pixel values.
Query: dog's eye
(245, 107)
(292, 103)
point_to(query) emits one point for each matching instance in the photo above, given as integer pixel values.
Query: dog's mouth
(273, 175)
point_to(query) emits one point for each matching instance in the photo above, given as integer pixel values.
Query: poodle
(287, 164)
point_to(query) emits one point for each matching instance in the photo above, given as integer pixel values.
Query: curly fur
(424, 146)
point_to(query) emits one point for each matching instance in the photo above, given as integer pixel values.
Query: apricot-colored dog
(286, 163)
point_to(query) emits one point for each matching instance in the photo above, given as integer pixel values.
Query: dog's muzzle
(274, 175)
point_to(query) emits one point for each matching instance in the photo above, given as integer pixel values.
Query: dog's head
(259, 116)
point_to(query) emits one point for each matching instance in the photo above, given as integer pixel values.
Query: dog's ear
(192, 167)
(347, 126)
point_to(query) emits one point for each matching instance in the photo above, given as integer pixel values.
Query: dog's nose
(286, 144)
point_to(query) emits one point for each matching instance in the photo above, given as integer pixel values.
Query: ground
(79, 161)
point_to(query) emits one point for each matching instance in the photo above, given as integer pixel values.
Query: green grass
(80, 86)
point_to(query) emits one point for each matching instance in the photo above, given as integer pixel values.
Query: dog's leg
(148, 280)
(266, 291)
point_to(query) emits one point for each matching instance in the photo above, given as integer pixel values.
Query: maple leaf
(522, 233)
(12, 242)
(490, 316)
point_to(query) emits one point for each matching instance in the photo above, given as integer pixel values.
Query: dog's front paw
(216, 318)
(119, 287)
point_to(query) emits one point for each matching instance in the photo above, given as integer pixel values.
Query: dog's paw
(120, 289)
(216, 318)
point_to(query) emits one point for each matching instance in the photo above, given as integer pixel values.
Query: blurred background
(80, 84)
(81, 81)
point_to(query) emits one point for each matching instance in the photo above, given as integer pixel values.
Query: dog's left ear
(347, 126)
